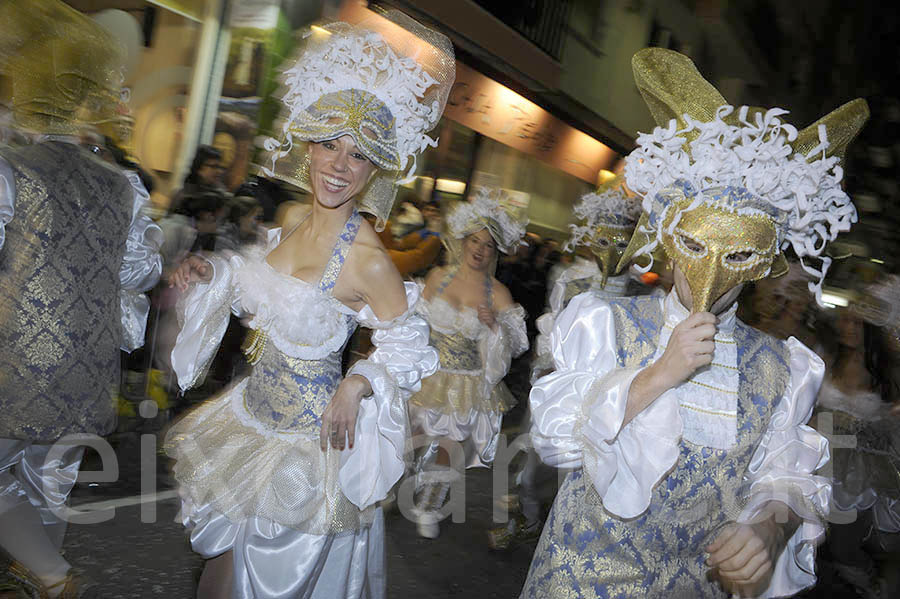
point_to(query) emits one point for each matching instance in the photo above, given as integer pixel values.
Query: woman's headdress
(485, 211)
(707, 155)
(63, 70)
(384, 82)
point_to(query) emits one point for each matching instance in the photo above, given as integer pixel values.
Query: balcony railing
(542, 22)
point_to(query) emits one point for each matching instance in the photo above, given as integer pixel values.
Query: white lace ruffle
(301, 321)
(444, 318)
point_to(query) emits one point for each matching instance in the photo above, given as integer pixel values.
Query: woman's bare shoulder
(502, 297)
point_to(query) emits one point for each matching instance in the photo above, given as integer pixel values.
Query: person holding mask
(695, 469)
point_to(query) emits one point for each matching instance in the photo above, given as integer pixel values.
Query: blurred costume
(299, 521)
(76, 255)
(608, 218)
(724, 193)
(466, 398)
(867, 476)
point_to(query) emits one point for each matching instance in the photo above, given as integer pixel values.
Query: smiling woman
(477, 329)
(282, 474)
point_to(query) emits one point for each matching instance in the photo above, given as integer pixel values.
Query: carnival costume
(76, 255)
(607, 220)
(725, 192)
(466, 398)
(299, 521)
(867, 477)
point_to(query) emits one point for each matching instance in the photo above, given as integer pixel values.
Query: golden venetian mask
(608, 244)
(718, 249)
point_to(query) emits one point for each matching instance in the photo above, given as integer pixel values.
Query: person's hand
(744, 555)
(690, 347)
(339, 418)
(486, 316)
(194, 268)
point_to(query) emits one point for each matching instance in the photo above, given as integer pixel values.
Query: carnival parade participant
(280, 476)
(478, 329)
(861, 393)
(695, 468)
(76, 255)
(607, 219)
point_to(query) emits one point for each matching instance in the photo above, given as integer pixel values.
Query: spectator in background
(242, 224)
(205, 176)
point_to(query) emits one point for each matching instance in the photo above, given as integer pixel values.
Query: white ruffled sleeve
(508, 340)
(578, 410)
(402, 358)
(542, 359)
(203, 313)
(7, 198)
(782, 469)
(141, 267)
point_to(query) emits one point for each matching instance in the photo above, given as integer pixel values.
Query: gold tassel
(254, 345)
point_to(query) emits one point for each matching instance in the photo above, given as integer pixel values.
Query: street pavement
(134, 559)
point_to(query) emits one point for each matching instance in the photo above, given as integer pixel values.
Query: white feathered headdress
(485, 211)
(746, 161)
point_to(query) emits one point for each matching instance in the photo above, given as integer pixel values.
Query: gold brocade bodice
(457, 352)
(289, 394)
(60, 327)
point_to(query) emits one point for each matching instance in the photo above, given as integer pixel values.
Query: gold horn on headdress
(672, 87)
(842, 126)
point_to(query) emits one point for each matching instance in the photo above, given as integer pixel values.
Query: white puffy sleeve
(203, 314)
(402, 358)
(141, 267)
(542, 358)
(500, 345)
(783, 469)
(578, 410)
(7, 198)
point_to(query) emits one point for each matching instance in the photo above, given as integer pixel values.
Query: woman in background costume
(695, 470)
(478, 330)
(280, 476)
(76, 255)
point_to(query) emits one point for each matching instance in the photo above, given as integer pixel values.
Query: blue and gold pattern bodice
(585, 552)
(288, 393)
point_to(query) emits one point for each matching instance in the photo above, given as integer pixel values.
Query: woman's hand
(486, 316)
(194, 268)
(339, 418)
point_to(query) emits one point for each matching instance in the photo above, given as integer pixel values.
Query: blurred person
(608, 219)
(280, 476)
(407, 217)
(75, 254)
(861, 393)
(205, 176)
(477, 329)
(242, 225)
(694, 468)
(417, 251)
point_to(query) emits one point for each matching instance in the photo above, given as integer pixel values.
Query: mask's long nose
(706, 289)
(606, 262)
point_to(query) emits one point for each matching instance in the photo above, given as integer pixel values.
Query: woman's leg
(217, 577)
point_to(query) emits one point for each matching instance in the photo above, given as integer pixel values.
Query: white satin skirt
(272, 561)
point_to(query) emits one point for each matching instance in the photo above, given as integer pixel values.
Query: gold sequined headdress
(706, 155)
(63, 70)
(385, 83)
(607, 220)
